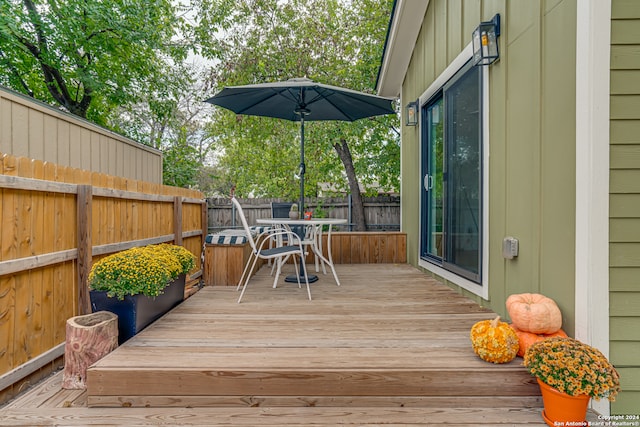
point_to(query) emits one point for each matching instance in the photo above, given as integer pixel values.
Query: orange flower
(573, 367)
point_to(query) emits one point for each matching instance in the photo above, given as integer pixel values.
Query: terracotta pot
(562, 409)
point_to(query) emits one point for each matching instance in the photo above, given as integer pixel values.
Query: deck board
(390, 346)
(281, 416)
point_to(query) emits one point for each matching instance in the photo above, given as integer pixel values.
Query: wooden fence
(55, 221)
(382, 213)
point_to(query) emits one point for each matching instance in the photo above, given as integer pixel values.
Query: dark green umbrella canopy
(295, 98)
(301, 99)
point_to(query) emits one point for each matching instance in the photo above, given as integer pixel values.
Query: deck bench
(225, 255)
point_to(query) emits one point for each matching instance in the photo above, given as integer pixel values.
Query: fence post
(204, 222)
(350, 212)
(177, 220)
(84, 206)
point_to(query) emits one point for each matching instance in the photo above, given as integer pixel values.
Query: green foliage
(117, 63)
(180, 165)
(143, 270)
(88, 57)
(211, 183)
(120, 64)
(329, 41)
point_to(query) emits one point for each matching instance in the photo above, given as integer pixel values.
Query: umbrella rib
(259, 101)
(327, 98)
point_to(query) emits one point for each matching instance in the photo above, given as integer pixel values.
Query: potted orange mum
(572, 371)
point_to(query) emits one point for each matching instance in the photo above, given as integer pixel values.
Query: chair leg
(335, 276)
(277, 263)
(246, 268)
(306, 278)
(244, 288)
(296, 271)
(323, 264)
(283, 261)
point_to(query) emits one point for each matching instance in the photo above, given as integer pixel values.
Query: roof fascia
(404, 27)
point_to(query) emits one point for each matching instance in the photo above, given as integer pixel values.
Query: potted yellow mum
(140, 284)
(572, 372)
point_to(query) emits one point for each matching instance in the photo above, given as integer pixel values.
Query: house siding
(532, 140)
(624, 202)
(532, 158)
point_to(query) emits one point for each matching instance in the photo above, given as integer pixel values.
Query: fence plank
(24, 299)
(119, 214)
(48, 246)
(382, 213)
(36, 241)
(109, 212)
(7, 283)
(177, 220)
(65, 301)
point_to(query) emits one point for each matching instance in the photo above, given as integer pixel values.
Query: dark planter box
(138, 311)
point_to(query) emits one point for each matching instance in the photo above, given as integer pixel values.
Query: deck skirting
(223, 263)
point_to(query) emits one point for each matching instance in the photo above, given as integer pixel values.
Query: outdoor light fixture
(485, 42)
(411, 113)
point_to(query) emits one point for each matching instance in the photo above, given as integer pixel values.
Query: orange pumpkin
(494, 341)
(527, 339)
(534, 313)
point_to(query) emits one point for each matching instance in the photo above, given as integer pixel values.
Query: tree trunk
(89, 338)
(358, 217)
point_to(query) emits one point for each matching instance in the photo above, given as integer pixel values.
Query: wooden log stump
(88, 339)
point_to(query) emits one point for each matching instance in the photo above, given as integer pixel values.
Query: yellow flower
(143, 270)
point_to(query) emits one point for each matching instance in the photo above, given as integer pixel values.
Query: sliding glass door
(452, 175)
(433, 173)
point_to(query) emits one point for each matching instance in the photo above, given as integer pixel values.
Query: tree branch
(14, 71)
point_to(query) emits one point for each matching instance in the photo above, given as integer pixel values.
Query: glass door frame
(481, 289)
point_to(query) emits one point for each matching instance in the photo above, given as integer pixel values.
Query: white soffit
(403, 32)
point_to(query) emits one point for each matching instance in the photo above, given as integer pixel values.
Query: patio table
(314, 229)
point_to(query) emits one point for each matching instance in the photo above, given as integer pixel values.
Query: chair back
(244, 224)
(280, 209)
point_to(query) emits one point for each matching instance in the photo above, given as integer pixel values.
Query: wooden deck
(389, 346)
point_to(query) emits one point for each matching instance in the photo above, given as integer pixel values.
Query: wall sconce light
(411, 113)
(485, 42)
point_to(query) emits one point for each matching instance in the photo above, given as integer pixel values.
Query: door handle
(427, 182)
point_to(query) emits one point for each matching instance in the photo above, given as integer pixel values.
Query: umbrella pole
(301, 229)
(302, 165)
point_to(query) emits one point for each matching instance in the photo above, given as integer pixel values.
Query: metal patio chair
(279, 254)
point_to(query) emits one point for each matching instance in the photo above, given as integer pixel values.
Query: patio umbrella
(301, 99)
